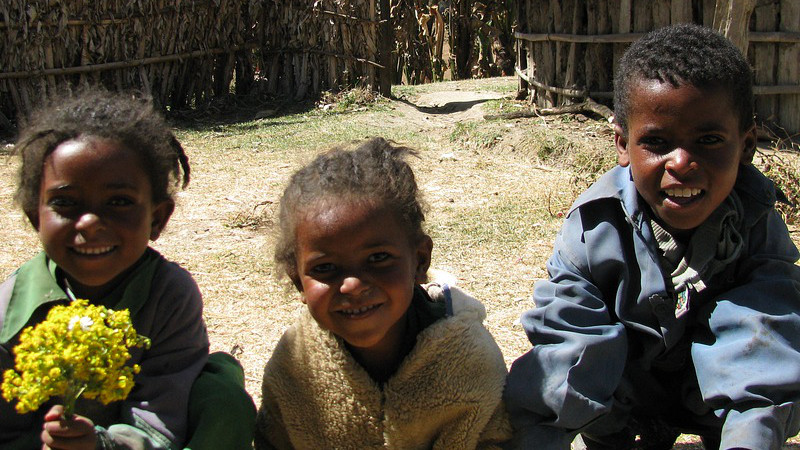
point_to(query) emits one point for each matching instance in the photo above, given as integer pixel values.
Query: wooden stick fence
(285, 48)
(567, 50)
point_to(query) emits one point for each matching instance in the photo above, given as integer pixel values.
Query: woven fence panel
(312, 46)
(180, 52)
(183, 52)
(568, 49)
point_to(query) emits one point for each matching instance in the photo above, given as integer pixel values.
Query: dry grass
(496, 192)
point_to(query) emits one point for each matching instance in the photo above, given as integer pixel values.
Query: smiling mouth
(682, 196)
(93, 251)
(357, 312)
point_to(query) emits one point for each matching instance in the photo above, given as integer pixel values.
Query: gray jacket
(606, 309)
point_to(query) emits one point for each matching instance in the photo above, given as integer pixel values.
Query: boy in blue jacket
(673, 298)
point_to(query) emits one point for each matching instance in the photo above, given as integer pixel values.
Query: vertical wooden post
(385, 43)
(625, 16)
(522, 47)
(788, 70)
(461, 39)
(708, 7)
(765, 61)
(623, 26)
(681, 11)
(372, 47)
(732, 19)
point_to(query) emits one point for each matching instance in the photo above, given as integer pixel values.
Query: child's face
(357, 268)
(96, 213)
(684, 146)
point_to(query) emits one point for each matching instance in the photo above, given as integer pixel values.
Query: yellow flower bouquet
(78, 350)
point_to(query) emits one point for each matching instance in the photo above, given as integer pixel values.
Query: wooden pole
(91, 68)
(522, 48)
(680, 11)
(732, 19)
(385, 42)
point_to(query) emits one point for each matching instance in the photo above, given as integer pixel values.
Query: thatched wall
(191, 52)
(309, 46)
(568, 49)
(178, 51)
(183, 52)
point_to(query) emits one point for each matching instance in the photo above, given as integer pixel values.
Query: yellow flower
(79, 350)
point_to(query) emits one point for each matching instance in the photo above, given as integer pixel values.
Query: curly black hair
(123, 117)
(375, 171)
(685, 54)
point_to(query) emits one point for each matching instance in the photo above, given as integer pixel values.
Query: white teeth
(93, 250)
(358, 310)
(684, 192)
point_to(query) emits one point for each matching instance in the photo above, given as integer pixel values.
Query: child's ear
(749, 146)
(621, 142)
(424, 250)
(161, 214)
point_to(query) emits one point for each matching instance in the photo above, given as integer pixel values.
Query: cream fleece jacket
(446, 394)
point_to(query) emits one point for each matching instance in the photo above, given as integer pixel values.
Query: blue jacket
(606, 308)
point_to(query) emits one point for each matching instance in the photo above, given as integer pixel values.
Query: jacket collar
(36, 284)
(617, 184)
(757, 192)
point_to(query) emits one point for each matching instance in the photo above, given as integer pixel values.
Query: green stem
(70, 398)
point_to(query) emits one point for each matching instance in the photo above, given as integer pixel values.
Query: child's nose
(88, 222)
(681, 161)
(353, 285)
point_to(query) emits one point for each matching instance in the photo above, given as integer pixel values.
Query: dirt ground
(222, 230)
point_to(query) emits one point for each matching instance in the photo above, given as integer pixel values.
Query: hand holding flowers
(79, 350)
(76, 433)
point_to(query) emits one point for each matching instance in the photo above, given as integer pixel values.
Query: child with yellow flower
(96, 182)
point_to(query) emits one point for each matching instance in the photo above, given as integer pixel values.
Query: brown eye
(710, 140)
(652, 142)
(61, 202)
(120, 201)
(379, 257)
(323, 268)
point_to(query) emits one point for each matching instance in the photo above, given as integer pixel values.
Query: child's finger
(76, 433)
(77, 426)
(69, 442)
(55, 413)
(85, 442)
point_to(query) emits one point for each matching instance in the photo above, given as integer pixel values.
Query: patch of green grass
(312, 130)
(475, 134)
(551, 147)
(586, 163)
(356, 99)
(504, 106)
(504, 85)
(501, 223)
